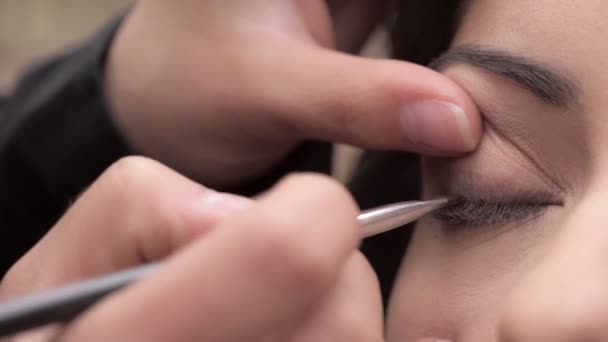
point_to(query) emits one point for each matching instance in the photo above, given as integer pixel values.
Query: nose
(565, 296)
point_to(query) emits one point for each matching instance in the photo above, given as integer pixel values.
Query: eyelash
(464, 211)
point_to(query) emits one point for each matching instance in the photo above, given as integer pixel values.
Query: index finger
(260, 271)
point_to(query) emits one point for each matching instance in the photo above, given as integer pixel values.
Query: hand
(236, 270)
(222, 90)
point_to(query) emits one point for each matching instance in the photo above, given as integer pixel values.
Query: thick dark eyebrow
(546, 83)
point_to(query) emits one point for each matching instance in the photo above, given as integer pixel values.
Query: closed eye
(462, 211)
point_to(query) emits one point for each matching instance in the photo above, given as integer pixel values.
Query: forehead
(558, 32)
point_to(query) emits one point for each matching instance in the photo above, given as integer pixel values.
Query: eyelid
(492, 128)
(480, 199)
(478, 187)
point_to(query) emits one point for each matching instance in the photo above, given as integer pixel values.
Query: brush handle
(65, 303)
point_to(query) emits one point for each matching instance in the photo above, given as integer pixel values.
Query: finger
(138, 211)
(353, 21)
(377, 104)
(352, 311)
(260, 270)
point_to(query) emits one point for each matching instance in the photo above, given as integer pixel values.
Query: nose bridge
(565, 296)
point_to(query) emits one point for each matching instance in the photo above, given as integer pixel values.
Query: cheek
(565, 297)
(453, 286)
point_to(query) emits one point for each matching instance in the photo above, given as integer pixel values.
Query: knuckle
(133, 167)
(142, 192)
(133, 185)
(132, 177)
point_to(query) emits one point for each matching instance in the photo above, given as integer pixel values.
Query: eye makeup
(464, 211)
(478, 200)
(495, 186)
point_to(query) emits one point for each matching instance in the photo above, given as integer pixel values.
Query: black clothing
(57, 136)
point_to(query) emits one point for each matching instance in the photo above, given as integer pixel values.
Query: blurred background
(33, 29)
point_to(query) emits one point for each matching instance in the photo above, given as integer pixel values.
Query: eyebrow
(548, 84)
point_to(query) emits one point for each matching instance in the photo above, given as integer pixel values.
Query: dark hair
(422, 29)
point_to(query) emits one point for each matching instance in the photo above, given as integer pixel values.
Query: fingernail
(438, 125)
(225, 202)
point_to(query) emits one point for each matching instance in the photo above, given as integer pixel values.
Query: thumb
(382, 104)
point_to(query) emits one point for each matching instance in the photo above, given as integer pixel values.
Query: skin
(297, 272)
(539, 280)
(542, 279)
(193, 85)
(222, 90)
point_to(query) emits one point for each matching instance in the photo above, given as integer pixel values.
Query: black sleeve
(57, 136)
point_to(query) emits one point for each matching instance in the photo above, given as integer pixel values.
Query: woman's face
(523, 254)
